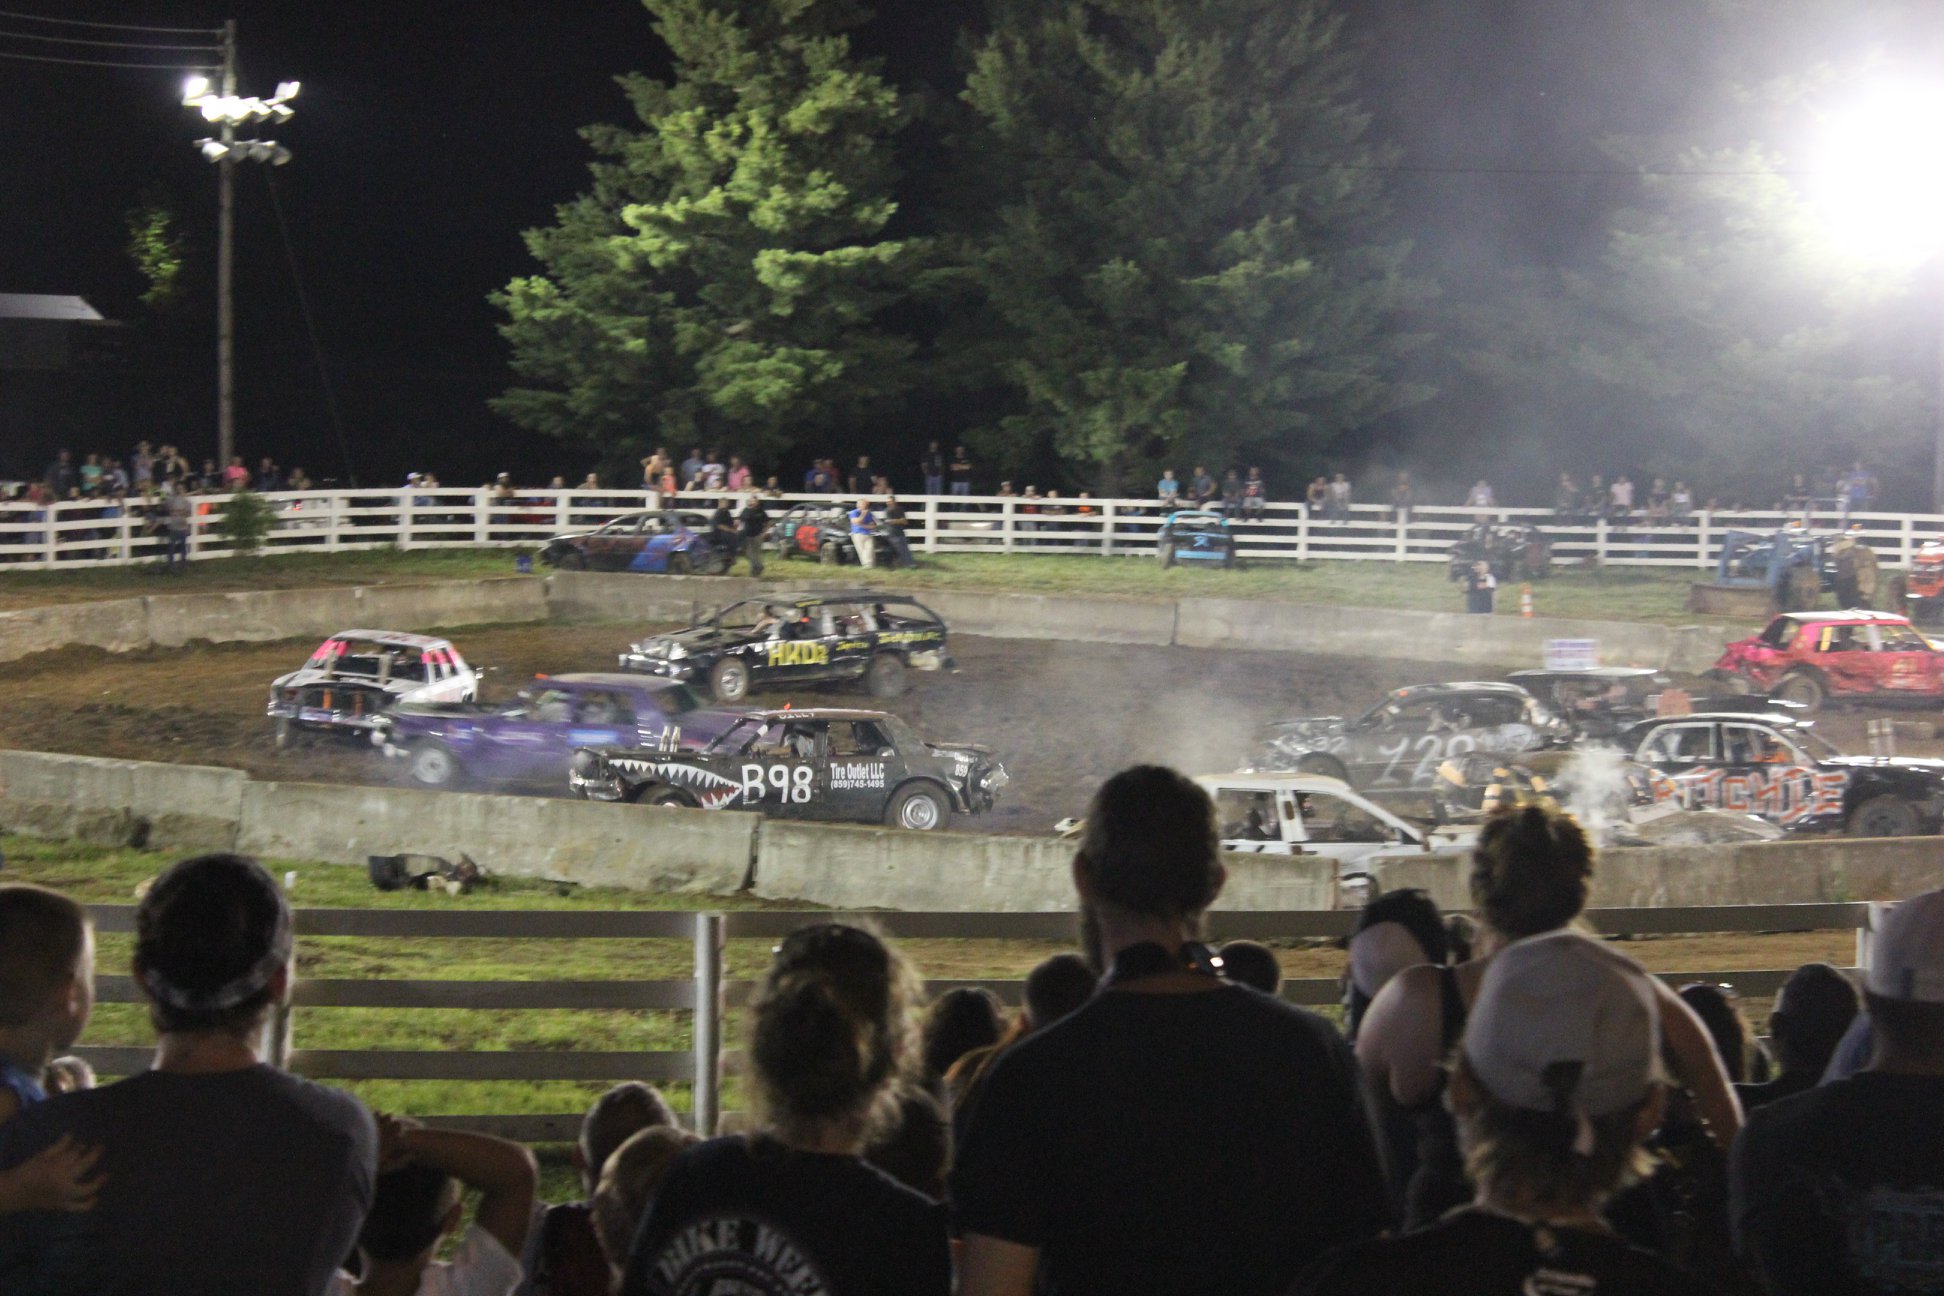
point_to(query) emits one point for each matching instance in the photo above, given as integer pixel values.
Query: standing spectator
(1813, 1011)
(89, 478)
(795, 1208)
(1481, 496)
(932, 467)
(1856, 489)
(590, 482)
(1255, 495)
(1620, 498)
(725, 535)
(863, 534)
(416, 1207)
(713, 473)
(178, 521)
(1232, 493)
(754, 523)
(1402, 496)
(958, 1022)
(46, 997)
(60, 476)
(1055, 989)
(1168, 490)
(740, 477)
(862, 479)
(1253, 964)
(1317, 497)
(961, 470)
(1338, 506)
(1555, 1088)
(1481, 588)
(1029, 512)
(895, 523)
(652, 468)
(1566, 498)
(220, 1173)
(1201, 488)
(1178, 1133)
(1680, 503)
(690, 472)
(267, 476)
(1838, 1190)
(300, 480)
(235, 477)
(141, 466)
(822, 478)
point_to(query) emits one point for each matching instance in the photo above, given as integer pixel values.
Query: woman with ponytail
(793, 1208)
(1531, 872)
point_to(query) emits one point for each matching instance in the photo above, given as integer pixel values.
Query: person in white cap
(1557, 1084)
(1840, 1190)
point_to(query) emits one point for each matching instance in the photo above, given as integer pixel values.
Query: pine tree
(1175, 232)
(723, 281)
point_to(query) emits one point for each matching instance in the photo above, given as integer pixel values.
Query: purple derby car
(532, 738)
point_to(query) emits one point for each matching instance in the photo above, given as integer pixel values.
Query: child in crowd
(417, 1206)
(46, 996)
(627, 1181)
(564, 1256)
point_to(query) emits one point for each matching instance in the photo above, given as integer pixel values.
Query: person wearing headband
(220, 1172)
(1557, 1084)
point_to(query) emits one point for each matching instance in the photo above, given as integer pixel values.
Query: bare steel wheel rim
(432, 765)
(920, 812)
(734, 680)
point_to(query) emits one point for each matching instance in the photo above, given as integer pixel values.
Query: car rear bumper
(595, 788)
(661, 667)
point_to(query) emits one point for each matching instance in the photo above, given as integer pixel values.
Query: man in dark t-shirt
(1179, 1133)
(1839, 1191)
(754, 522)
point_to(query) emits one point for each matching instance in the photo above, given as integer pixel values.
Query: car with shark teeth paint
(832, 765)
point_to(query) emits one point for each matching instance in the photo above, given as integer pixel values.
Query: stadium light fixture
(1880, 178)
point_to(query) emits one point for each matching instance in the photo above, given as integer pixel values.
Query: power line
(77, 40)
(102, 63)
(310, 325)
(108, 26)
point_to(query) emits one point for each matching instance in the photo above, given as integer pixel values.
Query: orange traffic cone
(1525, 599)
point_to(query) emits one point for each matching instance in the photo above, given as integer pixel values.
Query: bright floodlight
(288, 90)
(1881, 178)
(194, 88)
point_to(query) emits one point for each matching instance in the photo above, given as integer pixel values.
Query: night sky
(430, 133)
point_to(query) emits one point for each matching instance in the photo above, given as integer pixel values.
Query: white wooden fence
(90, 533)
(707, 995)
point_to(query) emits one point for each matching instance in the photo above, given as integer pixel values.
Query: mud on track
(1063, 716)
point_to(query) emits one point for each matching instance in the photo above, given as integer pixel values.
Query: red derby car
(1809, 657)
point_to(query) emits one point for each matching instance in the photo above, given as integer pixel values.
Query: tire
(432, 764)
(679, 564)
(1167, 555)
(667, 796)
(885, 676)
(920, 807)
(830, 555)
(1803, 689)
(729, 680)
(1327, 766)
(1883, 816)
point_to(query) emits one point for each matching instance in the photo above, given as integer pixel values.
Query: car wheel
(1167, 555)
(829, 554)
(1327, 766)
(1884, 816)
(667, 796)
(679, 565)
(885, 676)
(1803, 689)
(729, 680)
(919, 807)
(571, 560)
(433, 765)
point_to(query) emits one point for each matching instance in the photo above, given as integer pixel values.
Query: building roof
(44, 306)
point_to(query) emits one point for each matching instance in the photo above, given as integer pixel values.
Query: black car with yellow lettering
(840, 766)
(778, 642)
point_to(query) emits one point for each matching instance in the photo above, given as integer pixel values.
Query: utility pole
(226, 266)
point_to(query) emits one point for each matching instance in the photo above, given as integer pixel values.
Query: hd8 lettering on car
(799, 654)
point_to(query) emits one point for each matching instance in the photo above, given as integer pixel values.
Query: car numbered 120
(1399, 744)
(1779, 768)
(843, 766)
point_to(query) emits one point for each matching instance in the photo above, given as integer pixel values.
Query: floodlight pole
(226, 268)
(1937, 397)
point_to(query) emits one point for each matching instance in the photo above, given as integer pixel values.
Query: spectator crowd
(1513, 1107)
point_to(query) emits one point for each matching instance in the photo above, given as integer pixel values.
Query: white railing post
(125, 533)
(1600, 541)
(706, 1102)
(52, 539)
(482, 513)
(930, 540)
(405, 506)
(1006, 524)
(1701, 538)
(333, 519)
(1302, 532)
(563, 510)
(1403, 549)
(1906, 546)
(1108, 515)
(1866, 930)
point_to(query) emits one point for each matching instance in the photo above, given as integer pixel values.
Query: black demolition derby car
(1779, 768)
(1399, 744)
(815, 638)
(844, 766)
(822, 531)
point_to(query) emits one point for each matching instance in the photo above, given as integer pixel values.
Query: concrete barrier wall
(572, 841)
(1043, 616)
(120, 803)
(262, 616)
(856, 867)
(118, 625)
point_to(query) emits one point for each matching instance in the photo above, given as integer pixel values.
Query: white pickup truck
(1268, 812)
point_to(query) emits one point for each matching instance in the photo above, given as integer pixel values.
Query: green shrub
(246, 520)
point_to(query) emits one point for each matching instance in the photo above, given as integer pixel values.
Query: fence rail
(100, 533)
(708, 995)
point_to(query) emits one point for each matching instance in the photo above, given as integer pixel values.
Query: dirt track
(1062, 716)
